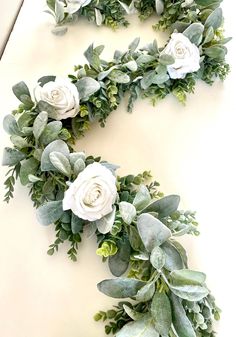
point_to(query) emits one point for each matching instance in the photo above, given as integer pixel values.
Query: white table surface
(190, 150)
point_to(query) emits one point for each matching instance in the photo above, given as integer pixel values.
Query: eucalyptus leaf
(58, 146)
(118, 263)
(10, 125)
(104, 225)
(28, 166)
(146, 293)
(141, 328)
(40, 123)
(12, 157)
(152, 231)
(142, 198)
(127, 212)
(120, 287)
(161, 313)
(157, 258)
(49, 212)
(87, 86)
(181, 322)
(164, 206)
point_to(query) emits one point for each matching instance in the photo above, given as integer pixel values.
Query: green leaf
(58, 146)
(209, 35)
(104, 225)
(40, 123)
(134, 239)
(12, 157)
(160, 78)
(51, 4)
(76, 224)
(50, 212)
(142, 198)
(215, 19)
(24, 120)
(181, 322)
(141, 328)
(74, 156)
(51, 132)
(152, 231)
(119, 77)
(146, 293)
(216, 52)
(135, 315)
(21, 91)
(131, 65)
(120, 287)
(147, 79)
(45, 79)
(187, 277)
(87, 86)
(173, 259)
(51, 110)
(161, 313)
(188, 284)
(118, 263)
(79, 166)
(127, 212)
(194, 32)
(19, 142)
(28, 166)
(166, 59)
(59, 11)
(60, 162)
(10, 125)
(143, 58)
(92, 55)
(165, 206)
(157, 258)
(134, 44)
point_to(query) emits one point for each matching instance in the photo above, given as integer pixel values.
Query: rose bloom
(92, 194)
(62, 95)
(73, 6)
(185, 53)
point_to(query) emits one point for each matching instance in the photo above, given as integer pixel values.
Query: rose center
(92, 197)
(55, 94)
(180, 50)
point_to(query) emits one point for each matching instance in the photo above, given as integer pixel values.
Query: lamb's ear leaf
(120, 287)
(49, 212)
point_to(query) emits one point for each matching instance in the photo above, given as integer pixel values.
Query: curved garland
(135, 225)
(171, 14)
(136, 229)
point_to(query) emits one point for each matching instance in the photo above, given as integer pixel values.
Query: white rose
(62, 95)
(185, 53)
(73, 6)
(92, 194)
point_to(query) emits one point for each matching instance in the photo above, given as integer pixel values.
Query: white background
(190, 150)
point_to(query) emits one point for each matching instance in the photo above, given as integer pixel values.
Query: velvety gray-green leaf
(10, 125)
(58, 146)
(142, 198)
(76, 224)
(127, 212)
(161, 313)
(152, 231)
(215, 19)
(40, 123)
(181, 322)
(140, 328)
(173, 260)
(135, 315)
(157, 258)
(118, 263)
(104, 225)
(28, 166)
(120, 287)
(194, 32)
(146, 292)
(49, 212)
(87, 86)
(164, 206)
(60, 162)
(11, 157)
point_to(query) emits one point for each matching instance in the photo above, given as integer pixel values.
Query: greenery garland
(171, 14)
(136, 226)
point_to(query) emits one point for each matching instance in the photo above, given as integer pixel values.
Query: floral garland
(134, 223)
(171, 14)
